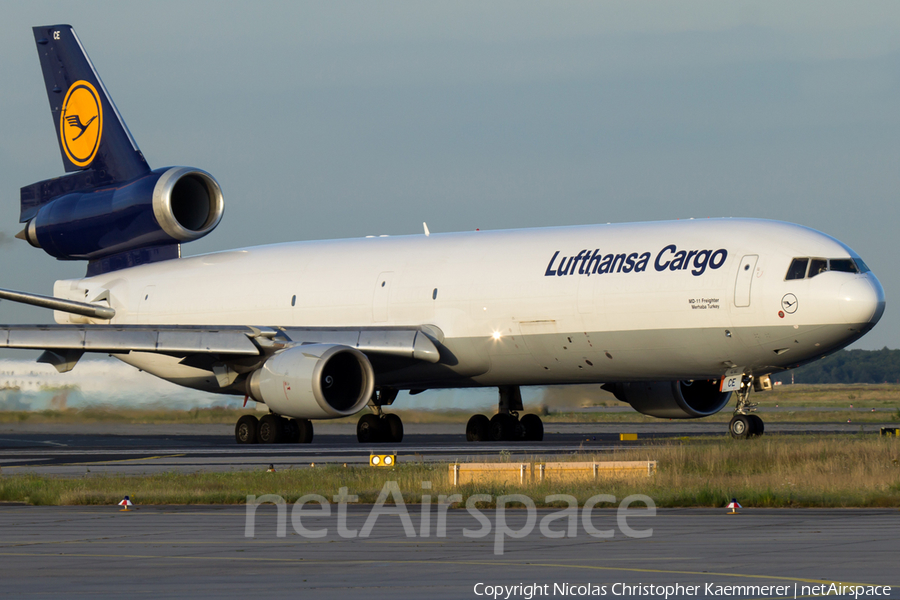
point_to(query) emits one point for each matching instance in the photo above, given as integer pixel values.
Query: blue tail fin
(94, 142)
(110, 209)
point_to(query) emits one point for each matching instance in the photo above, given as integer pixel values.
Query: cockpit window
(845, 265)
(817, 266)
(797, 269)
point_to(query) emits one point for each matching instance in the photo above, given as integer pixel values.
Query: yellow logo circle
(81, 123)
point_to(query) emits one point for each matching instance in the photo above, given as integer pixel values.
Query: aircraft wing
(65, 344)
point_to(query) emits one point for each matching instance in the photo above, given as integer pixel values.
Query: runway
(202, 552)
(142, 449)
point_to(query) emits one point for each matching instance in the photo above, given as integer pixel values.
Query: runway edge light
(734, 505)
(125, 504)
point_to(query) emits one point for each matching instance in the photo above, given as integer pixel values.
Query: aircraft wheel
(290, 431)
(740, 427)
(534, 428)
(478, 429)
(392, 428)
(270, 429)
(245, 430)
(304, 429)
(759, 427)
(504, 427)
(368, 429)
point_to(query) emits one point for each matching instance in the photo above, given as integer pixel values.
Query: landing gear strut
(506, 426)
(744, 424)
(273, 429)
(378, 426)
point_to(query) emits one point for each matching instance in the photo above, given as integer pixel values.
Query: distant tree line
(849, 366)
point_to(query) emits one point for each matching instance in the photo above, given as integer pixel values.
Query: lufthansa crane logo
(81, 123)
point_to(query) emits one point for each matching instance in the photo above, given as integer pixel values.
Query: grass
(774, 471)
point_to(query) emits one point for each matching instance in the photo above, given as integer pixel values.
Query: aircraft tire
(740, 427)
(759, 427)
(504, 428)
(245, 431)
(534, 428)
(270, 429)
(304, 431)
(478, 429)
(392, 428)
(368, 429)
(290, 431)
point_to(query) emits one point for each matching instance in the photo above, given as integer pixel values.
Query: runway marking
(288, 451)
(98, 462)
(49, 443)
(424, 562)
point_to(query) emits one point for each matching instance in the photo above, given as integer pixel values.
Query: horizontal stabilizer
(68, 306)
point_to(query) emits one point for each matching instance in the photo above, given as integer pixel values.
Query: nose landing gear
(744, 424)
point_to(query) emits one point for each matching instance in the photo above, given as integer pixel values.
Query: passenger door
(744, 280)
(382, 296)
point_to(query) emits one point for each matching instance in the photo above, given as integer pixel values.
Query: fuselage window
(294, 300)
(817, 265)
(797, 269)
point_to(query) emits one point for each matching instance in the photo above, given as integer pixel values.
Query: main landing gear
(273, 429)
(377, 426)
(744, 424)
(506, 426)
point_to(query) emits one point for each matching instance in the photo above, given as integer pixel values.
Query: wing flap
(137, 338)
(234, 340)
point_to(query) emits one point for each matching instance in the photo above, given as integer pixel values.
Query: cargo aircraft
(675, 318)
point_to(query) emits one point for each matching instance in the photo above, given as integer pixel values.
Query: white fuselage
(648, 301)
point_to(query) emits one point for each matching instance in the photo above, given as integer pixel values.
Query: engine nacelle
(672, 399)
(164, 207)
(314, 381)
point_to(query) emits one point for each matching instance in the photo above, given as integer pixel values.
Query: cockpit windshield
(806, 267)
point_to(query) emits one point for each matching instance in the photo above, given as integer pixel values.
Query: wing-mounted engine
(672, 399)
(314, 381)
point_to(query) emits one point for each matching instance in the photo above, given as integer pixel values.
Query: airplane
(675, 318)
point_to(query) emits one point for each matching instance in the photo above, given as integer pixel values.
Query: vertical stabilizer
(89, 129)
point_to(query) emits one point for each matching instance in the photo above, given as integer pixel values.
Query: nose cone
(862, 300)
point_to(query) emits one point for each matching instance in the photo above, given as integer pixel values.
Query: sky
(345, 119)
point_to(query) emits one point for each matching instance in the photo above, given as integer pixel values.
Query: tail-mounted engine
(165, 207)
(314, 381)
(672, 399)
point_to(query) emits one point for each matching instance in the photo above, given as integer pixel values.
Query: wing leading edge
(64, 344)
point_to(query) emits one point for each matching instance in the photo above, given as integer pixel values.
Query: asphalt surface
(204, 552)
(141, 449)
